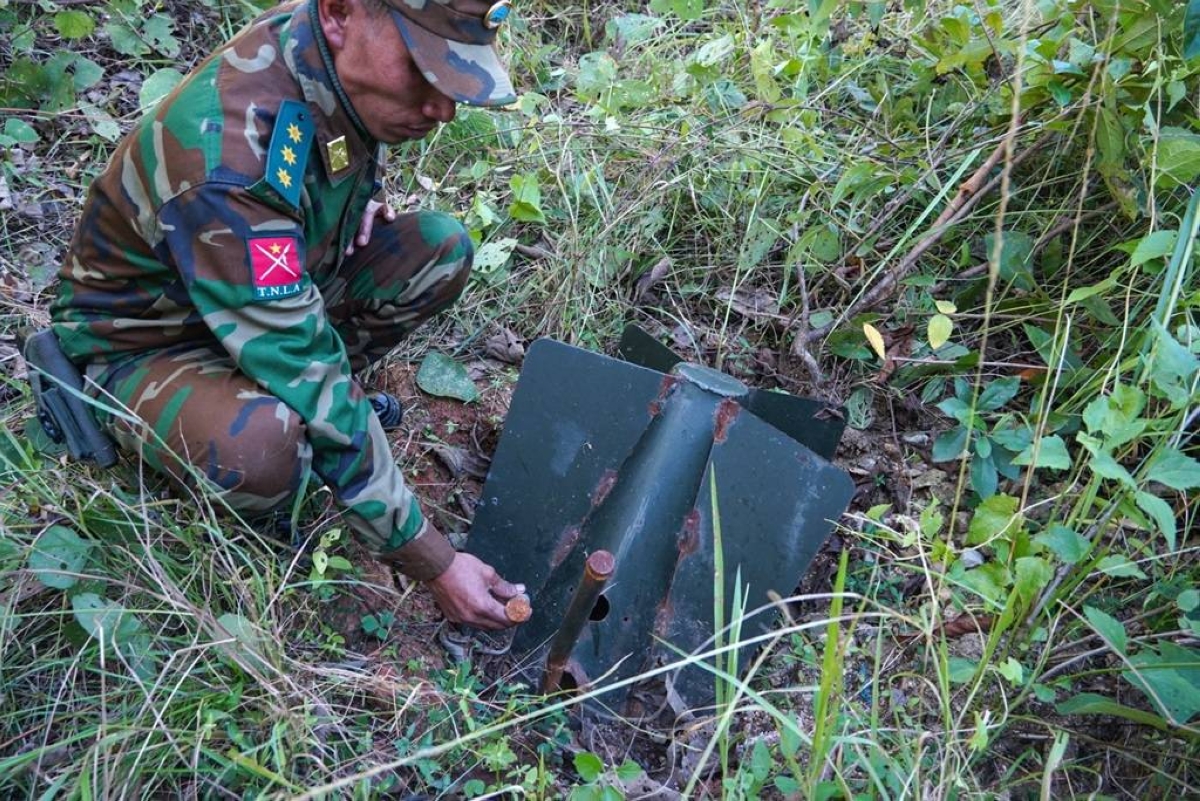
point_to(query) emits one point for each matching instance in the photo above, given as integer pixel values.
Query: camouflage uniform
(206, 289)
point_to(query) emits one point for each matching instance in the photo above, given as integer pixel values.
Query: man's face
(388, 91)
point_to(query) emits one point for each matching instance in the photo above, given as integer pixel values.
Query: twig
(532, 252)
(971, 187)
(885, 285)
(800, 343)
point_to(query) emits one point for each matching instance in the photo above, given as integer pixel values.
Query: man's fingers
(492, 616)
(364, 230)
(504, 590)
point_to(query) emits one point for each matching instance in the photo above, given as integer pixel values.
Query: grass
(736, 183)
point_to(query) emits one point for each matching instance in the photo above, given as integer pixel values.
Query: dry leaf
(649, 279)
(875, 339)
(461, 462)
(753, 302)
(505, 346)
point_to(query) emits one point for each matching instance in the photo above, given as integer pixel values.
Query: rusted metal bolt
(518, 609)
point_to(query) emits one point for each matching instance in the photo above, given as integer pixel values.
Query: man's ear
(334, 17)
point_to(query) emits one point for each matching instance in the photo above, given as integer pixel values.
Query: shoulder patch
(275, 266)
(287, 156)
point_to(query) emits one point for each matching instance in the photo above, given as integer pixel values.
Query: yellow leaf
(945, 306)
(940, 327)
(876, 340)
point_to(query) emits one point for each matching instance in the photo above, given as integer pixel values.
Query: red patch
(275, 266)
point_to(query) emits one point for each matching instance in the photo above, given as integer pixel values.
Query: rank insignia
(275, 266)
(287, 155)
(339, 154)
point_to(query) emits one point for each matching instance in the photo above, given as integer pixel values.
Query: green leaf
(961, 669)
(1051, 454)
(940, 328)
(1176, 470)
(1011, 669)
(597, 73)
(491, 260)
(1191, 30)
(1170, 678)
(787, 785)
(17, 131)
(824, 243)
(1119, 566)
(1108, 627)
(87, 73)
(125, 41)
(1105, 466)
(158, 86)
(949, 445)
(249, 641)
(1083, 293)
(1045, 345)
(1153, 246)
(443, 377)
(102, 122)
(1095, 704)
(628, 770)
(1173, 368)
(1188, 600)
(1178, 156)
(588, 766)
(1161, 513)
(74, 24)
(527, 199)
(588, 792)
(59, 550)
(990, 581)
(1032, 574)
(340, 563)
(1064, 543)
(104, 620)
(158, 33)
(997, 393)
(1016, 251)
(995, 517)
(632, 29)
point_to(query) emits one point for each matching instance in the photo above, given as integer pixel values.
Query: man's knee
(260, 462)
(452, 250)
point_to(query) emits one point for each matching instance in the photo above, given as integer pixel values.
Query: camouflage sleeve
(242, 263)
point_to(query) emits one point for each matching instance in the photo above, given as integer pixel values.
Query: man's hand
(471, 592)
(374, 209)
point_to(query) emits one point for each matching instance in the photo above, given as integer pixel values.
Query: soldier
(232, 270)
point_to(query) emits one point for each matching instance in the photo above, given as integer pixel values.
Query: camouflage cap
(452, 42)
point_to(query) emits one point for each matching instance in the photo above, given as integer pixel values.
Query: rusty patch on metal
(689, 536)
(664, 389)
(663, 616)
(727, 412)
(607, 481)
(566, 544)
